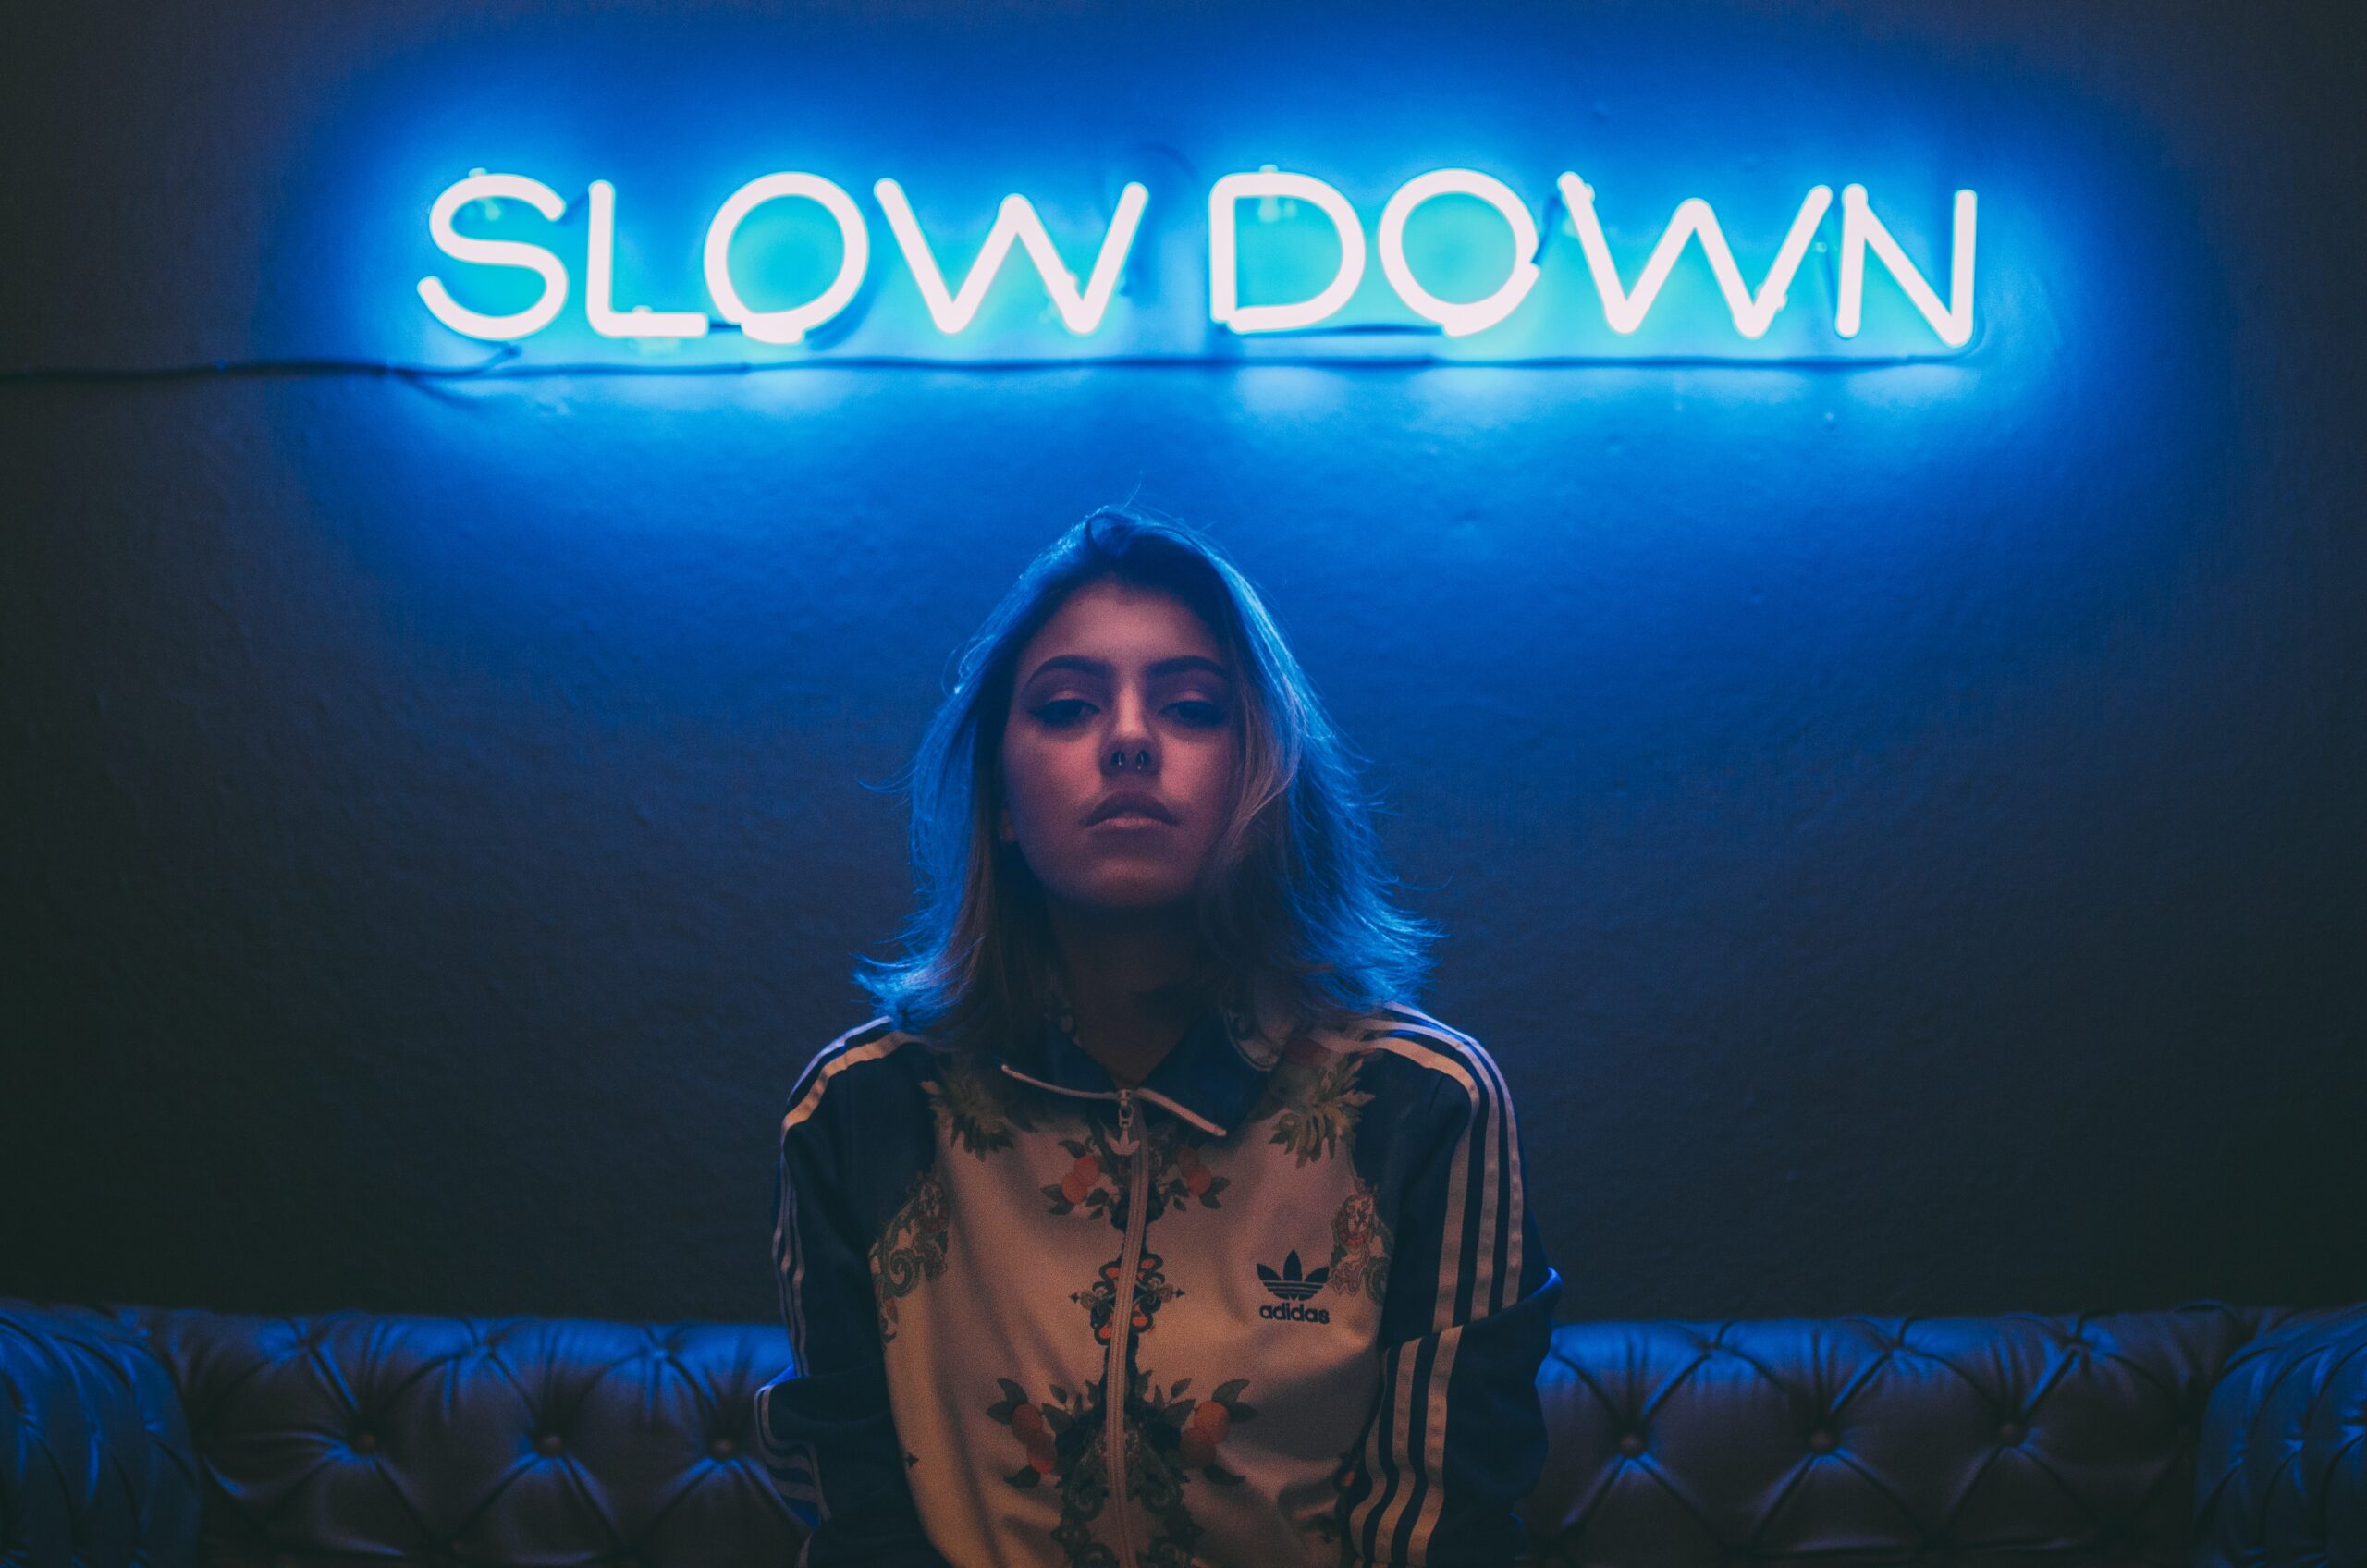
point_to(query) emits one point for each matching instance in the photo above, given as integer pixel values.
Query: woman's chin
(1130, 894)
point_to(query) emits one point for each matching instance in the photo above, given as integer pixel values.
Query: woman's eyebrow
(1102, 668)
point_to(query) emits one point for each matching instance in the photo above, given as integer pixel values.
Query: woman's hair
(1293, 899)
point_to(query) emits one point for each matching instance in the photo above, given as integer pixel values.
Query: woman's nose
(1129, 738)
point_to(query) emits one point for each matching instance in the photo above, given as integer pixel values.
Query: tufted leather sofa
(2203, 1435)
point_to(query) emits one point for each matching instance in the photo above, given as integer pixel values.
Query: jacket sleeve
(1457, 1435)
(824, 1427)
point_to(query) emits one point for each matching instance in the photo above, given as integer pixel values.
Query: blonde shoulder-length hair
(1294, 907)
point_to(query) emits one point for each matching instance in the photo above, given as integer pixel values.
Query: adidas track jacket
(1281, 1304)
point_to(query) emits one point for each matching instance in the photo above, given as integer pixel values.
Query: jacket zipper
(1114, 1383)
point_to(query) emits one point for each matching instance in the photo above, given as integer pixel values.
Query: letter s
(494, 254)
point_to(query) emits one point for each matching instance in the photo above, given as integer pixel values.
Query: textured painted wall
(1898, 827)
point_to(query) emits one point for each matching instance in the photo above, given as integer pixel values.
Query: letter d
(1224, 286)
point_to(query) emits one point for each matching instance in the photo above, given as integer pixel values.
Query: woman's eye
(1063, 712)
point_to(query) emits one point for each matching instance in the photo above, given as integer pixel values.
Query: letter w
(1752, 314)
(1015, 222)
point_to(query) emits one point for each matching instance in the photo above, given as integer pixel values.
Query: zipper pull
(1126, 1142)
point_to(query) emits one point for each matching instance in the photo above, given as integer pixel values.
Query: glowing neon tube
(1080, 312)
(792, 325)
(599, 275)
(1458, 320)
(1860, 229)
(1224, 298)
(494, 254)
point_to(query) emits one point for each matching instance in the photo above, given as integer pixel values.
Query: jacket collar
(1211, 1078)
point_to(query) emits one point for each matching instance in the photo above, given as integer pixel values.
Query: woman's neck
(1130, 979)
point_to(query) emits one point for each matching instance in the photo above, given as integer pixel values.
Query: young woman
(1150, 1223)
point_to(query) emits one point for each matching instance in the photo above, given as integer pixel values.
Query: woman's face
(1119, 675)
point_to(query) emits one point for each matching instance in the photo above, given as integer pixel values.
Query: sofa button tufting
(723, 1448)
(2012, 1432)
(365, 1442)
(548, 1443)
(1631, 1443)
(1822, 1440)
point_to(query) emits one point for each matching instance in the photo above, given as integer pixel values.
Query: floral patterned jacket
(1281, 1304)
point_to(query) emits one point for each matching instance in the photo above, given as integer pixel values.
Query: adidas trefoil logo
(1290, 1284)
(1292, 1288)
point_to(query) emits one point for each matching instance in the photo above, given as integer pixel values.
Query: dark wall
(1898, 824)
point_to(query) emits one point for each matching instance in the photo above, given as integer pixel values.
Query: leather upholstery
(1972, 1440)
(2020, 1439)
(2285, 1447)
(96, 1467)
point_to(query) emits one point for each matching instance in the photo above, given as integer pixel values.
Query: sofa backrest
(2025, 1437)
(2022, 1438)
(96, 1467)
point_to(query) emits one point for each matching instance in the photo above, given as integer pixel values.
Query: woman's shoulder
(1433, 1053)
(867, 1059)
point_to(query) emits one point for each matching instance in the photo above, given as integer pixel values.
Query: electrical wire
(508, 363)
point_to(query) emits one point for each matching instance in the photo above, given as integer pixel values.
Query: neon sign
(1084, 309)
